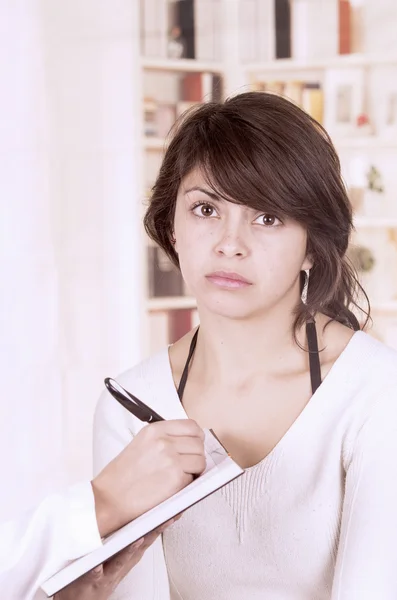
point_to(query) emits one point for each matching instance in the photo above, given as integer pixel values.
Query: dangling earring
(306, 286)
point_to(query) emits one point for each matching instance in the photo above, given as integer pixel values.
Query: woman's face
(236, 261)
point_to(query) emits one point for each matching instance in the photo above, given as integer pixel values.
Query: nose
(232, 242)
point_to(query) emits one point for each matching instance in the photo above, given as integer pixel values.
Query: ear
(173, 240)
(307, 263)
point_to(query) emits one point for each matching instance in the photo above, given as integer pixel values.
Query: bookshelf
(385, 307)
(346, 61)
(184, 65)
(171, 303)
(375, 223)
(329, 72)
(369, 143)
(154, 144)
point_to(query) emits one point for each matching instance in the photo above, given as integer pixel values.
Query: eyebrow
(197, 188)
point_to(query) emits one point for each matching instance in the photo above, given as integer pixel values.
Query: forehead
(194, 178)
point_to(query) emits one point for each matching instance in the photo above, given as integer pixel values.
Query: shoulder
(365, 365)
(374, 361)
(151, 381)
(366, 385)
(373, 367)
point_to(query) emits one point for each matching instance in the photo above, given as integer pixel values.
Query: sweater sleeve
(113, 431)
(39, 543)
(366, 566)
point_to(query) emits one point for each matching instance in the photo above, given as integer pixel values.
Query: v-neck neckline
(335, 371)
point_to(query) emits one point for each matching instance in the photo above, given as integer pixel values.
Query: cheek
(281, 258)
(193, 251)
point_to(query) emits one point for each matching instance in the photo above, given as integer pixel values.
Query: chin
(229, 306)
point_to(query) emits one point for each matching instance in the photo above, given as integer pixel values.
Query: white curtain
(72, 286)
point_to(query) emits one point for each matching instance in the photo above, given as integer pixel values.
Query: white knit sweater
(315, 520)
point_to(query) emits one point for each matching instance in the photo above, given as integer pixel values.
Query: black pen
(131, 402)
(135, 406)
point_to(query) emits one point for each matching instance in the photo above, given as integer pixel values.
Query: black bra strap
(314, 359)
(182, 383)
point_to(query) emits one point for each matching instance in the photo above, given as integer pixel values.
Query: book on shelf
(191, 87)
(167, 28)
(220, 470)
(201, 87)
(179, 323)
(165, 118)
(169, 325)
(346, 99)
(208, 24)
(263, 28)
(282, 24)
(165, 279)
(176, 93)
(344, 27)
(309, 41)
(313, 101)
(248, 37)
(150, 117)
(306, 94)
(158, 117)
(181, 29)
(184, 22)
(196, 88)
(153, 28)
(351, 27)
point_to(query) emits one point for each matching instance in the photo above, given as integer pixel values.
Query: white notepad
(220, 470)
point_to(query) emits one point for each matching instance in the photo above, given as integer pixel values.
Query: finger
(121, 563)
(151, 537)
(126, 560)
(183, 427)
(187, 444)
(94, 574)
(192, 463)
(170, 522)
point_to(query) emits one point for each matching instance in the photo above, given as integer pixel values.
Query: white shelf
(154, 143)
(337, 62)
(365, 142)
(171, 303)
(184, 65)
(375, 222)
(384, 307)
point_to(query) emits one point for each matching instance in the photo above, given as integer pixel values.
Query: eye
(268, 220)
(204, 210)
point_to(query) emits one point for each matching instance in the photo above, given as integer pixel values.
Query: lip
(228, 279)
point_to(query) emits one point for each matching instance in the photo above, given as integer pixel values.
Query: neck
(235, 350)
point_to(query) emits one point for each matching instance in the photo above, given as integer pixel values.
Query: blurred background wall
(70, 178)
(88, 92)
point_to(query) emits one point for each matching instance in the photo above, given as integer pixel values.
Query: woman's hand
(101, 582)
(161, 460)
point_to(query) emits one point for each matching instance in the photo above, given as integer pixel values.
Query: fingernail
(136, 545)
(98, 569)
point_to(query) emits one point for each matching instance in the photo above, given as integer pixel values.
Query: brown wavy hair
(261, 150)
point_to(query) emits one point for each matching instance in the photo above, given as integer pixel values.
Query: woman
(250, 204)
